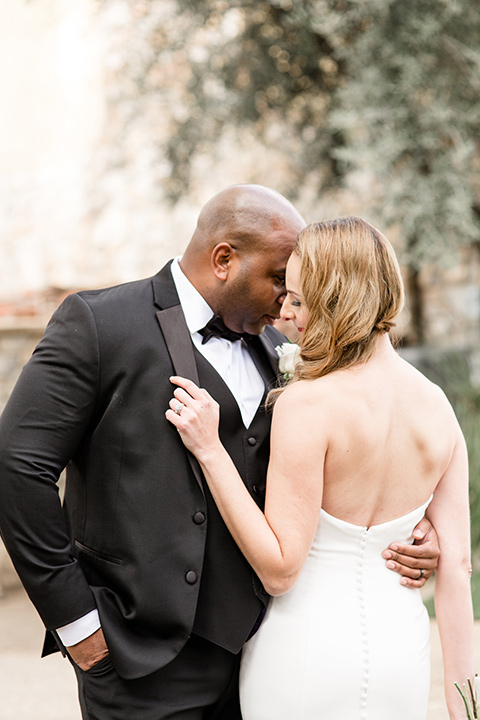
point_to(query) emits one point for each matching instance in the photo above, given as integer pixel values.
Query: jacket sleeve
(40, 429)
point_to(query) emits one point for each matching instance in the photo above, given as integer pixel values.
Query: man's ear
(223, 256)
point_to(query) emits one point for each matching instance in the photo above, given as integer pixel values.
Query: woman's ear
(223, 256)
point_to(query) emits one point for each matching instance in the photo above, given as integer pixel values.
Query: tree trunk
(416, 305)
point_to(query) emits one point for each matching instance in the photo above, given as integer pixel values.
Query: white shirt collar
(195, 308)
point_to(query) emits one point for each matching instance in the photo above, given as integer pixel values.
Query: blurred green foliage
(466, 402)
(379, 96)
(452, 371)
(476, 594)
(388, 86)
(385, 89)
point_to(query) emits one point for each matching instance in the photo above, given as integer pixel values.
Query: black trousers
(201, 683)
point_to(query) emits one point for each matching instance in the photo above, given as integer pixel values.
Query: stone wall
(17, 341)
(16, 346)
(84, 117)
(452, 301)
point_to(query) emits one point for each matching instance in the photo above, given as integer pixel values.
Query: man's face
(255, 289)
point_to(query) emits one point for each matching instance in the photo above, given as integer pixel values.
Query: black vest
(231, 597)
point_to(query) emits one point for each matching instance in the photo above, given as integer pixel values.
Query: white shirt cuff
(80, 629)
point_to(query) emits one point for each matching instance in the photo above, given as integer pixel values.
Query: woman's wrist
(210, 456)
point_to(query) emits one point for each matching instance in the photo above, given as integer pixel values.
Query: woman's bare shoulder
(301, 410)
(308, 395)
(429, 390)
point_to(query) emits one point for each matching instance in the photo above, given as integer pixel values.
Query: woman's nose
(285, 313)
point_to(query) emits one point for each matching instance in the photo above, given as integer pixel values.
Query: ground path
(28, 684)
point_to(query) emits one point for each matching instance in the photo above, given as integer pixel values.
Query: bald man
(137, 578)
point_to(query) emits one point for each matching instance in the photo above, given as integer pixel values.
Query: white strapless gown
(348, 642)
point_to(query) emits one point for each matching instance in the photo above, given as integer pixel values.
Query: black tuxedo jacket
(131, 536)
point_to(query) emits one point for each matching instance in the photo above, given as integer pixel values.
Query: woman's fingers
(195, 415)
(189, 386)
(190, 408)
(188, 392)
(173, 417)
(183, 396)
(176, 406)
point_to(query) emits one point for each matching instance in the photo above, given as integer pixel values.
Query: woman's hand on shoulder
(196, 415)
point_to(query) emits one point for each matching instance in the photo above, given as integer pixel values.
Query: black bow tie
(217, 328)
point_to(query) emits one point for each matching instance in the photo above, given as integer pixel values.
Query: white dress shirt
(234, 364)
(232, 360)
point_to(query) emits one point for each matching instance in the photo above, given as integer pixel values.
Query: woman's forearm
(453, 605)
(274, 565)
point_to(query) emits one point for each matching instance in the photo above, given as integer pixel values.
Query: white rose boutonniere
(289, 354)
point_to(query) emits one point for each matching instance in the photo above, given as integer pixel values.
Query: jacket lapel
(178, 341)
(263, 362)
(172, 323)
(177, 338)
(267, 342)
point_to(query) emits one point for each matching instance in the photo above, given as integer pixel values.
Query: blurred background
(120, 118)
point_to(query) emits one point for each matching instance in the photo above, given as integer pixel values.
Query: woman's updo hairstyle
(351, 282)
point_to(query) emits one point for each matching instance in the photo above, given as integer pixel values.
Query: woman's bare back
(391, 436)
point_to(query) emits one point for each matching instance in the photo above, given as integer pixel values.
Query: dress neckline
(420, 509)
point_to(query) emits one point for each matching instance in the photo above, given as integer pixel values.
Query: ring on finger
(178, 408)
(422, 573)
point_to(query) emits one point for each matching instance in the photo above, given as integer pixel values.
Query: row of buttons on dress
(363, 625)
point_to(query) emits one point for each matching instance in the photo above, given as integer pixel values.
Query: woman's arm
(276, 543)
(449, 513)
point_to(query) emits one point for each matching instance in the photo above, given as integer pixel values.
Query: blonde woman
(363, 445)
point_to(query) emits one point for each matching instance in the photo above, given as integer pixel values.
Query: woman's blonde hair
(352, 286)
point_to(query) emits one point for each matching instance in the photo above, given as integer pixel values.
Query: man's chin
(259, 327)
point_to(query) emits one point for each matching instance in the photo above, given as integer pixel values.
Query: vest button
(252, 441)
(199, 518)
(257, 489)
(191, 577)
